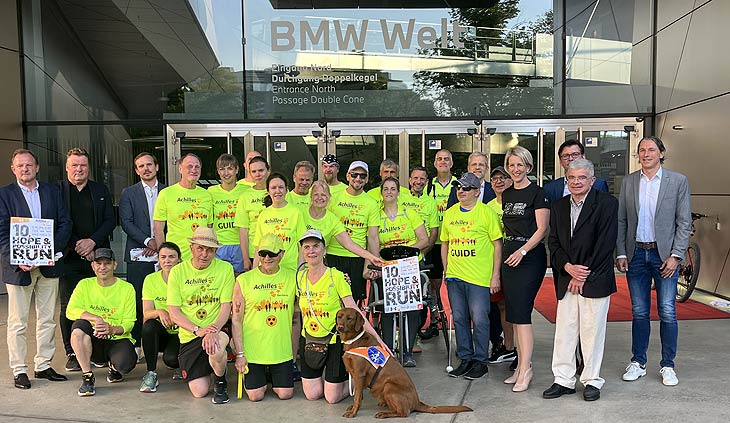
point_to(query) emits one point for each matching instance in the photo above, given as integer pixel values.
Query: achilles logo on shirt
(188, 200)
(273, 220)
(266, 286)
(100, 308)
(196, 281)
(349, 205)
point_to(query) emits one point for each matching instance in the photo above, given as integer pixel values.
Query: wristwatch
(523, 252)
(195, 329)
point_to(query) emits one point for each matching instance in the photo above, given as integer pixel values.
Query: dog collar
(350, 341)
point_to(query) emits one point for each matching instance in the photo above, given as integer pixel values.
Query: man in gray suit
(136, 207)
(654, 220)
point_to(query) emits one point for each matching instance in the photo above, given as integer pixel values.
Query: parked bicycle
(689, 269)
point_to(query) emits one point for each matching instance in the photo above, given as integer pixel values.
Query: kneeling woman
(322, 292)
(263, 306)
(159, 332)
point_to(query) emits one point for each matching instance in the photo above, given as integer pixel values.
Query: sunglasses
(269, 254)
(463, 188)
(355, 175)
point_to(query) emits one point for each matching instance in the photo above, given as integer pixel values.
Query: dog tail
(441, 409)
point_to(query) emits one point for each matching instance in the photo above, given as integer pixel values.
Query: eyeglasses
(497, 178)
(573, 156)
(581, 178)
(355, 175)
(463, 188)
(269, 254)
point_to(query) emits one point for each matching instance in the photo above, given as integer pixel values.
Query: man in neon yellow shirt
(103, 309)
(262, 322)
(330, 168)
(388, 169)
(439, 189)
(199, 293)
(183, 207)
(424, 205)
(303, 178)
(471, 250)
(250, 205)
(225, 202)
(360, 215)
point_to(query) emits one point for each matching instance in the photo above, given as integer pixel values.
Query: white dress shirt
(150, 193)
(32, 198)
(648, 197)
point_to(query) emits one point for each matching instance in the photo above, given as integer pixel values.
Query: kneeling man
(199, 293)
(103, 310)
(583, 230)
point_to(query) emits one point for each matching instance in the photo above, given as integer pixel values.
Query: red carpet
(620, 309)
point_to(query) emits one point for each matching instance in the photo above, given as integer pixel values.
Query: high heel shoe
(520, 387)
(513, 379)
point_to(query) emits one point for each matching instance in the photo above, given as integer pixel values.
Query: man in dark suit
(90, 206)
(136, 207)
(583, 229)
(29, 198)
(654, 221)
(567, 152)
(478, 164)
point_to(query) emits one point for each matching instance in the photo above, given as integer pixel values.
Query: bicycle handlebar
(698, 216)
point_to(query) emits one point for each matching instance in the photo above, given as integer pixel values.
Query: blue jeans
(470, 308)
(643, 268)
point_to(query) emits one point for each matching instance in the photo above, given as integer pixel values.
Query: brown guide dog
(392, 387)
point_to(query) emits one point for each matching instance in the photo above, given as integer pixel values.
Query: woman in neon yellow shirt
(399, 226)
(318, 217)
(322, 292)
(159, 333)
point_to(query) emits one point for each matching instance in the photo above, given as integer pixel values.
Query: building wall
(693, 91)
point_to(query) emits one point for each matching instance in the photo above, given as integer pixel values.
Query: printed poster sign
(31, 241)
(402, 285)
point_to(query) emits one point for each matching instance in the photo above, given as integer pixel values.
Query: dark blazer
(104, 219)
(134, 216)
(489, 195)
(592, 243)
(13, 204)
(554, 189)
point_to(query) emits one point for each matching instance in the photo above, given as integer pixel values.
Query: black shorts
(353, 266)
(334, 368)
(194, 361)
(434, 257)
(119, 352)
(281, 375)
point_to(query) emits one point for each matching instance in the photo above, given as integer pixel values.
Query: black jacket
(104, 218)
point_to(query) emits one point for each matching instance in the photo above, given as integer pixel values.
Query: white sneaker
(634, 371)
(669, 376)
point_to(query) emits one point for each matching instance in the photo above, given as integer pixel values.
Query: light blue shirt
(648, 197)
(33, 199)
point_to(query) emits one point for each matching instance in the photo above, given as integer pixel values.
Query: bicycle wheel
(688, 273)
(445, 330)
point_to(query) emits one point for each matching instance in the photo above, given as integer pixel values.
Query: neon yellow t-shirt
(245, 183)
(267, 318)
(224, 212)
(440, 194)
(154, 289)
(329, 225)
(377, 195)
(399, 231)
(356, 213)
(200, 293)
(116, 304)
(288, 224)
(497, 208)
(470, 235)
(301, 201)
(324, 296)
(184, 210)
(425, 206)
(250, 205)
(336, 189)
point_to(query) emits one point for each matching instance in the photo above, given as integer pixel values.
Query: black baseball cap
(106, 253)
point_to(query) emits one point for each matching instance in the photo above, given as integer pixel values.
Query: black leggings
(118, 352)
(156, 338)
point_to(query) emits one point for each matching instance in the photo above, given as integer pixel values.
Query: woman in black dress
(526, 221)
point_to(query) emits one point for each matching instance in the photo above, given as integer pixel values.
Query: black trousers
(136, 272)
(75, 270)
(118, 352)
(156, 338)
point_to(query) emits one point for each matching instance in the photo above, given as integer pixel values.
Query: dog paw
(381, 415)
(350, 412)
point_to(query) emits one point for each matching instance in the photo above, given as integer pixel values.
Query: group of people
(254, 272)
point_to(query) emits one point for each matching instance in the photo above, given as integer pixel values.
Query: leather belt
(646, 245)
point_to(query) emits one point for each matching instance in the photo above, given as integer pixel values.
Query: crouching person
(199, 293)
(103, 309)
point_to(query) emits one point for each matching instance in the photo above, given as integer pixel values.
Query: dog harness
(377, 356)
